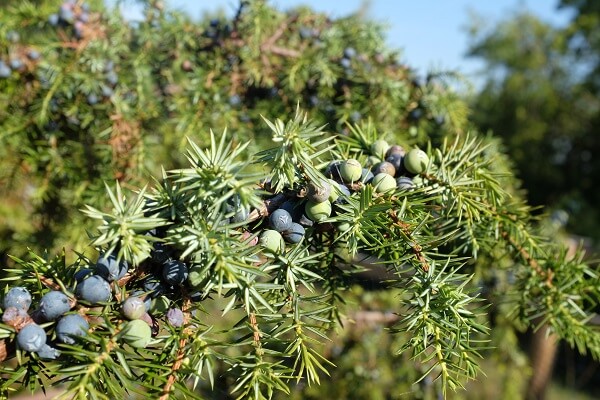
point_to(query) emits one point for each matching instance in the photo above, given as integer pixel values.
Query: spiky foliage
(436, 264)
(260, 316)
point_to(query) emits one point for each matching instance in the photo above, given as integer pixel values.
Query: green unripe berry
(416, 161)
(197, 277)
(137, 333)
(272, 240)
(317, 212)
(334, 193)
(351, 170)
(379, 148)
(343, 226)
(159, 305)
(383, 183)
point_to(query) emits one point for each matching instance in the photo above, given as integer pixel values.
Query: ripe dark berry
(175, 272)
(404, 183)
(333, 170)
(395, 149)
(280, 220)
(54, 304)
(319, 192)
(175, 317)
(349, 52)
(346, 63)
(294, 234)
(153, 285)
(112, 78)
(17, 297)
(48, 352)
(94, 289)
(160, 253)
(66, 14)
(396, 160)
(5, 70)
(31, 338)
(109, 268)
(70, 326)
(16, 64)
(106, 91)
(53, 19)
(235, 100)
(415, 115)
(367, 175)
(82, 274)
(133, 308)
(92, 99)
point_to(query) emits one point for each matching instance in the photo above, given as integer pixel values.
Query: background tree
(539, 98)
(89, 99)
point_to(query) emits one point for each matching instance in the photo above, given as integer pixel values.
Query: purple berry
(17, 297)
(31, 338)
(280, 220)
(69, 326)
(175, 317)
(94, 289)
(54, 304)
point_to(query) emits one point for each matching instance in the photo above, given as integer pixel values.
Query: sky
(430, 33)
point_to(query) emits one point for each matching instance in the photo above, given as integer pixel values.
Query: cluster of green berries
(392, 169)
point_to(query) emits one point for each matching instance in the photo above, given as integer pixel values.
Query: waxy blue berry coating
(31, 338)
(94, 289)
(54, 304)
(17, 297)
(280, 220)
(70, 326)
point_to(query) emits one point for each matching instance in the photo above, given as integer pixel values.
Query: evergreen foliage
(109, 145)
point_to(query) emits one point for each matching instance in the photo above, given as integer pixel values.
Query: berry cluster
(94, 287)
(22, 58)
(71, 14)
(316, 202)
